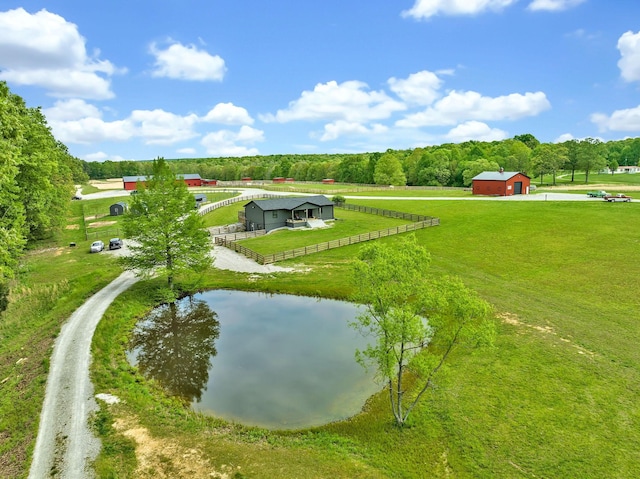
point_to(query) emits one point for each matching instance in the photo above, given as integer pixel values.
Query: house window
(275, 214)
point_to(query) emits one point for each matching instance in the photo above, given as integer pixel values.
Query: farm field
(557, 396)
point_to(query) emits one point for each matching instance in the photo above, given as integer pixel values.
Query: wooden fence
(383, 212)
(219, 204)
(111, 233)
(423, 222)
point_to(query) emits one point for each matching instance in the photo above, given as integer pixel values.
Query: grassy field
(347, 223)
(54, 280)
(557, 396)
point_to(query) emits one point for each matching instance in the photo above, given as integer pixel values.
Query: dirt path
(65, 446)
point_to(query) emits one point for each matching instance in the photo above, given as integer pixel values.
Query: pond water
(275, 361)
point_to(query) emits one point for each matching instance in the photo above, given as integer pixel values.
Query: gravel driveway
(65, 447)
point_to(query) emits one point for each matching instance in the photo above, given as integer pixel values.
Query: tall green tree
(548, 158)
(476, 167)
(166, 235)
(388, 171)
(591, 156)
(414, 323)
(36, 182)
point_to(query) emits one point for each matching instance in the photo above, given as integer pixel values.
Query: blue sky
(131, 80)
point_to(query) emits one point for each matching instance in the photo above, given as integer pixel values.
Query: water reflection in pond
(175, 345)
(282, 361)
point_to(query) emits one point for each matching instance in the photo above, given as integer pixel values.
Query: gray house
(291, 212)
(117, 209)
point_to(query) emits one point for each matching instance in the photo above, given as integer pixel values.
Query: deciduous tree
(414, 323)
(166, 233)
(388, 171)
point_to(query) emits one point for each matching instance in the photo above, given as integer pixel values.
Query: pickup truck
(597, 194)
(618, 197)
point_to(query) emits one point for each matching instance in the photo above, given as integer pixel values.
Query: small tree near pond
(414, 322)
(167, 234)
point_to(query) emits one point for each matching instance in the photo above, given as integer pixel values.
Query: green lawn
(557, 396)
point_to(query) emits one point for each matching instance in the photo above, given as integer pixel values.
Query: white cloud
(159, 127)
(335, 130)
(187, 151)
(45, 50)
(470, 105)
(226, 142)
(92, 130)
(187, 63)
(67, 110)
(420, 88)
(475, 130)
(423, 9)
(228, 114)
(564, 137)
(553, 5)
(97, 156)
(619, 120)
(349, 101)
(629, 63)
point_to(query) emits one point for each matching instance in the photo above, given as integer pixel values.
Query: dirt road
(65, 446)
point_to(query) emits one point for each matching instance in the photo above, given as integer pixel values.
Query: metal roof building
(501, 183)
(286, 211)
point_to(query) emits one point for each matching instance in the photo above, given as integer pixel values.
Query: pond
(274, 361)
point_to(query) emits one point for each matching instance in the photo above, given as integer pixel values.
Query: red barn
(501, 183)
(131, 181)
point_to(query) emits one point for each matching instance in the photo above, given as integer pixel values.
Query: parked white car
(97, 246)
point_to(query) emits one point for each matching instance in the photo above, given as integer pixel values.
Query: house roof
(190, 176)
(291, 203)
(133, 179)
(497, 175)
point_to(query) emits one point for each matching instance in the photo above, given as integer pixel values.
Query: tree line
(442, 165)
(37, 175)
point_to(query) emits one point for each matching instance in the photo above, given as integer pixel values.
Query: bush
(339, 200)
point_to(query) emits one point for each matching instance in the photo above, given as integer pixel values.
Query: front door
(517, 188)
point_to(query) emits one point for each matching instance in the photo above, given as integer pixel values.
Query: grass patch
(431, 193)
(347, 223)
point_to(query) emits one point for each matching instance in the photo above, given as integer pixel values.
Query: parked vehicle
(597, 194)
(618, 197)
(96, 247)
(115, 243)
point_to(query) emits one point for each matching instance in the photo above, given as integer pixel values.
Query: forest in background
(442, 165)
(37, 175)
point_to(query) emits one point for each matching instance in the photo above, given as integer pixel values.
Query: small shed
(501, 183)
(117, 209)
(283, 212)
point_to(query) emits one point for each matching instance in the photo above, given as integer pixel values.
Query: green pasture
(411, 193)
(557, 395)
(579, 178)
(347, 223)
